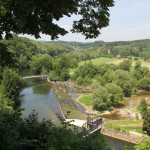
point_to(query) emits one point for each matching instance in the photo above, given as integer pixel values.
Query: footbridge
(36, 76)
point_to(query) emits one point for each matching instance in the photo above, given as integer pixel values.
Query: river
(38, 95)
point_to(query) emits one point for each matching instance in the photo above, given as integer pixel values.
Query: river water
(39, 96)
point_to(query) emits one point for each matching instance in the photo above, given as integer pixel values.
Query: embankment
(131, 137)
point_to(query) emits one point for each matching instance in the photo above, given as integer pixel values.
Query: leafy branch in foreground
(35, 17)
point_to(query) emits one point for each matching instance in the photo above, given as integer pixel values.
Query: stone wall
(132, 138)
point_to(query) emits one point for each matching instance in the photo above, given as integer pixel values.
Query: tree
(146, 124)
(40, 61)
(143, 107)
(79, 80)
(6, 56)
(87, 81)
(101, 99)
(125, 65)
(11, 84)
(144, 83)
(137, 65)
(123, 79)
(140, 72)
(64, 75)
(116, 93)
(33, 17)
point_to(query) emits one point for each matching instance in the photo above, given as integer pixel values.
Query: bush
(53, 76)
(79, 80)
(144, 83)
(146, 124)
(136, 58)
(87, 81)
(143, 107)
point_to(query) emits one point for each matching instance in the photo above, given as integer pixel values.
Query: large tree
(101, 99)
(11, 84)
(125, 65)
(37, 16)
(123, 79)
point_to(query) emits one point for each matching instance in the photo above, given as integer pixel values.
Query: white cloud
(67, 27)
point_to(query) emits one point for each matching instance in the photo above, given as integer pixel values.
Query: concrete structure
(91, 125)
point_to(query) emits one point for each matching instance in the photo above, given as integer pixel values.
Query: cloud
(67, 27)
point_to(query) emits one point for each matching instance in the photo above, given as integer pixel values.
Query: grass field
(86, 100)
(98, 61)
(143, 63)
(125, 125)
(103, 60)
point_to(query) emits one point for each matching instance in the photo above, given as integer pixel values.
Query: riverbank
(131, 137)
(127, 109)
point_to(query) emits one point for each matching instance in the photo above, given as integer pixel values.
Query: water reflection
(118, 144)
(42, 89)
(39, 96)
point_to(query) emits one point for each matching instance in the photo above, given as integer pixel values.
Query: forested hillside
(137, 48)
(23, 53)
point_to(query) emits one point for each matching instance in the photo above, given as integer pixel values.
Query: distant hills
(85, 45)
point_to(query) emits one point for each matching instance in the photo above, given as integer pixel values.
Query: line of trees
(112, 82)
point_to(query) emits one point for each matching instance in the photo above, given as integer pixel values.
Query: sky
(129, 20)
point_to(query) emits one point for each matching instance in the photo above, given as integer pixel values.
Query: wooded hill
(137, 48)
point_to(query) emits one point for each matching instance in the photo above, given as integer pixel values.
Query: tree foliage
(143, 145)
(31, 134)
(144, 83)
(125, 65)
(40, 61)
(11, 84)
(146, 124)
(35, 17)
(116, 93)
(101, 99)
(143, 107)
(123, 79)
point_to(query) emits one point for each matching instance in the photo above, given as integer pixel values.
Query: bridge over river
(36, 76)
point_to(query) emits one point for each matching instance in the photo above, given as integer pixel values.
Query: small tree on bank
(146, 124)
(143, 107)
